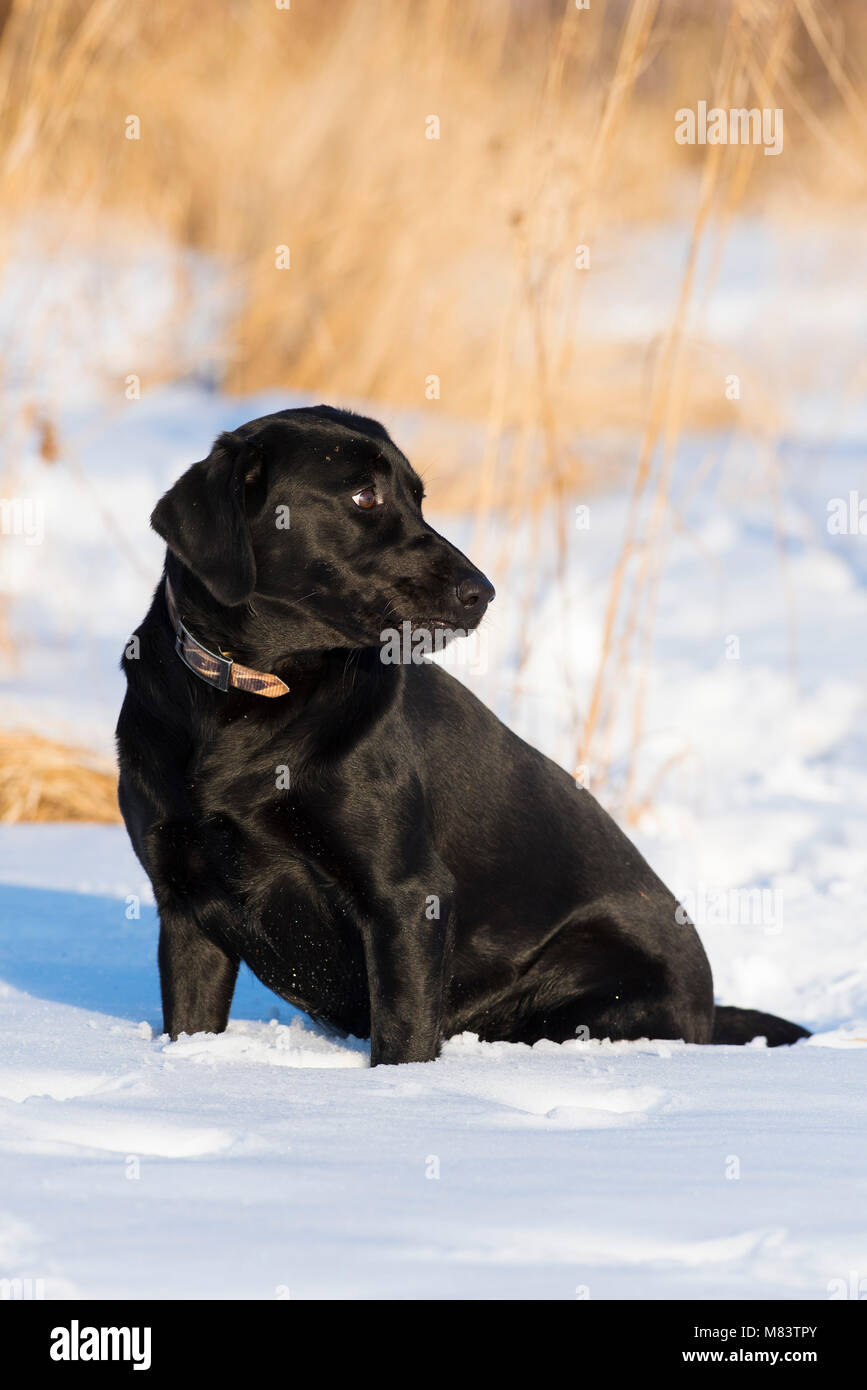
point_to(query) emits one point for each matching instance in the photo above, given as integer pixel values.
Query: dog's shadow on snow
(95, 953)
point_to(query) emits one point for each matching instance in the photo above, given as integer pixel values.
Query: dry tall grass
(410, 256)
(43, 780)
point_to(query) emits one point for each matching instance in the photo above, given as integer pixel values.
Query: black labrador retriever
(365, 834)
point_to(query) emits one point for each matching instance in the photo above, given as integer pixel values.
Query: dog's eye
(366, 498)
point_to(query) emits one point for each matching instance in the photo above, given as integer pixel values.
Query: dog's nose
(475, 593)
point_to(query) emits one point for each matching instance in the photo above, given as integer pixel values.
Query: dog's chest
(301, 919)
(286, 828)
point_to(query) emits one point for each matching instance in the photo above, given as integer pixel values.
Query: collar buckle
(209, 666)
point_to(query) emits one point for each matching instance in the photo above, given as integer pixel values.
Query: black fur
(425, 871)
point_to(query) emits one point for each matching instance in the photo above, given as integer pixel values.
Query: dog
(368, 837)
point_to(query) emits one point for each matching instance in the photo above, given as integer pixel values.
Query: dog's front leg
(408, 949)
(198, 968)
(197, 978)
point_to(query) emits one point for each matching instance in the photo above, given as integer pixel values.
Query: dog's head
(318, 510)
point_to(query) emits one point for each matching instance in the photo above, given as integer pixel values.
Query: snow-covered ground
(271, 1162)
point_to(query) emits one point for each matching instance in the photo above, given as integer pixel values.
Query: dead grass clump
(42, 780)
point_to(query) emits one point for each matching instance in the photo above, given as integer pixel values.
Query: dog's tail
(732, 1025)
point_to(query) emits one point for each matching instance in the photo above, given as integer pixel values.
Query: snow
(271, 1162)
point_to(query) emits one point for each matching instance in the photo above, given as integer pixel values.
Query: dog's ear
(203, 520)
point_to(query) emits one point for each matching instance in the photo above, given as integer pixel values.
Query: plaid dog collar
(217, 668)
